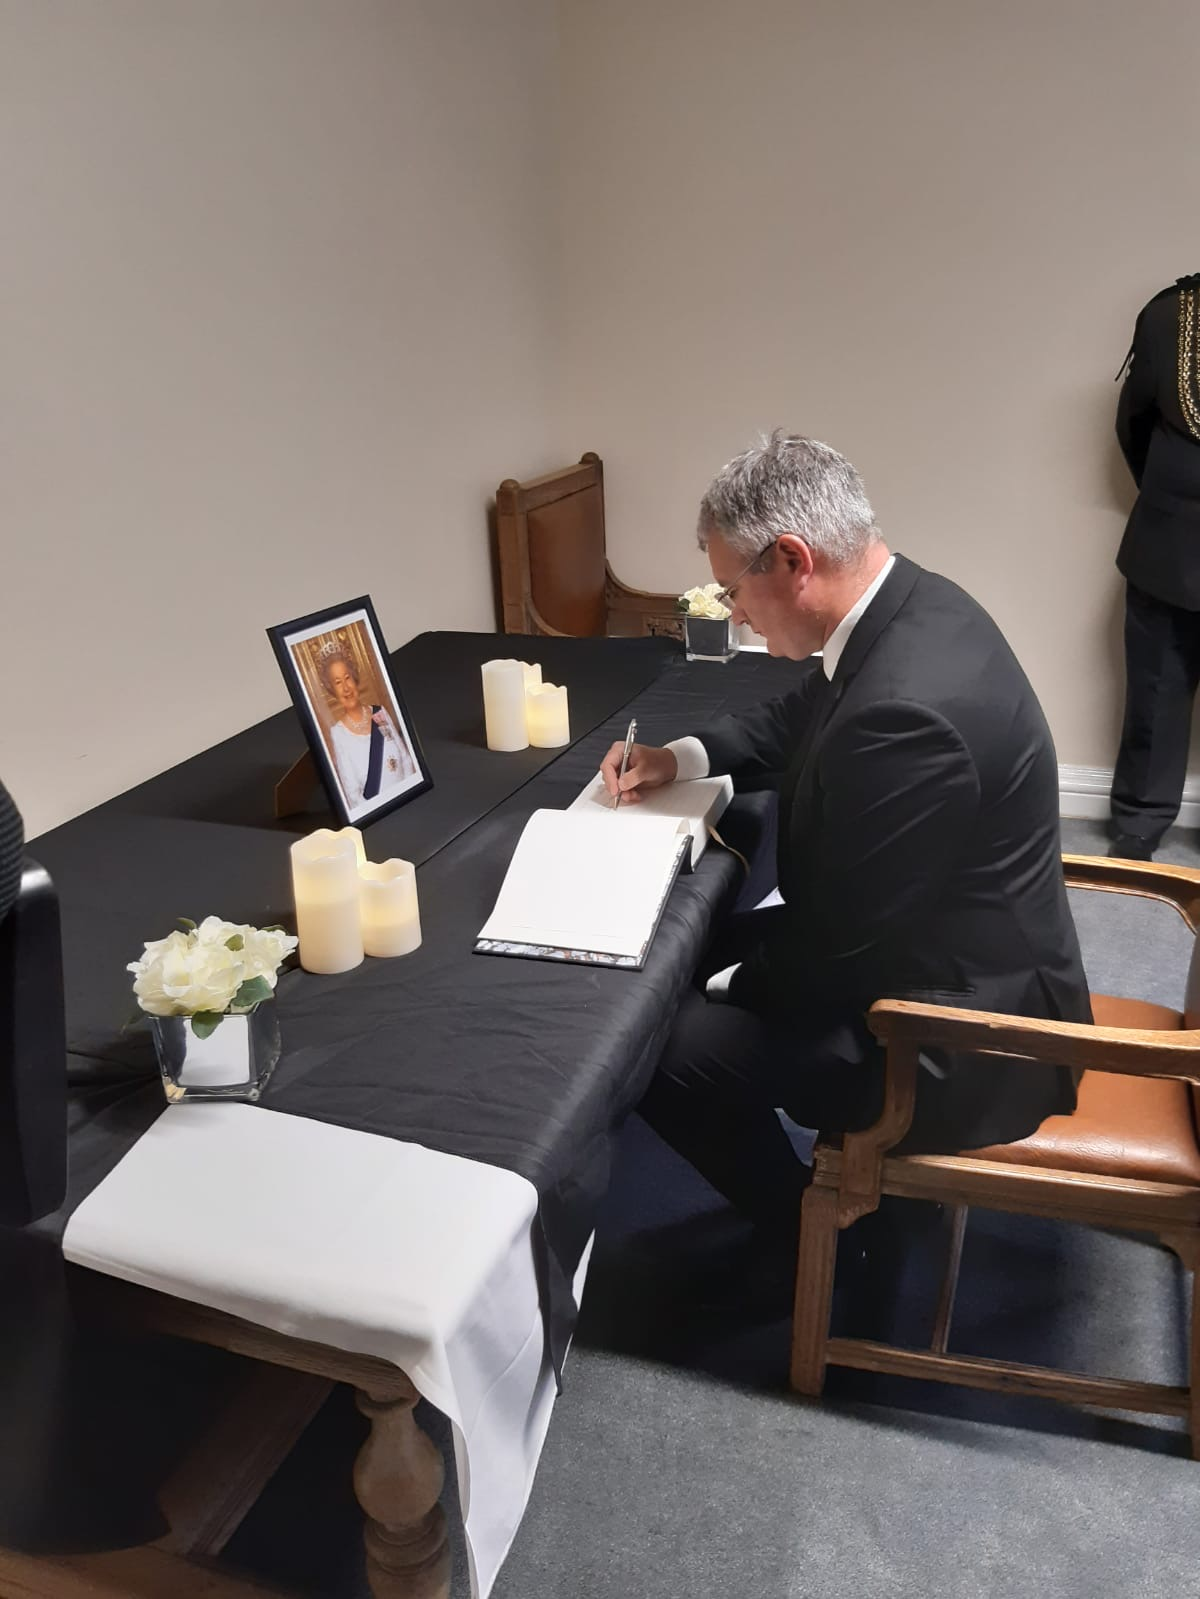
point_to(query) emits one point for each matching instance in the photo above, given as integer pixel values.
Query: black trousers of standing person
(1162, 670)
(725, 1070)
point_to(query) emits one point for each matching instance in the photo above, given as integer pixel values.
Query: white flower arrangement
(703, 601)
(216, 969)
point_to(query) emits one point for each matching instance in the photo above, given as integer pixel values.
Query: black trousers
(1162, 670)
(725, 1070)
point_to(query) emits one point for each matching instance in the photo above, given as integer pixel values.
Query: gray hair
(787, 484)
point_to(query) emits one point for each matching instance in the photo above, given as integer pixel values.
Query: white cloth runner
(373, 1246)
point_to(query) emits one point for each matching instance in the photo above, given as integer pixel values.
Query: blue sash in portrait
(374, 759)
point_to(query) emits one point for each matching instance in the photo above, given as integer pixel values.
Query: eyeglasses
(728, 595)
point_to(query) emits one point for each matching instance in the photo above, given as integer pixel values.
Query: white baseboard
(1084, 790)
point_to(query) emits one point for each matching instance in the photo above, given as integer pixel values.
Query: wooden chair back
(554, 572)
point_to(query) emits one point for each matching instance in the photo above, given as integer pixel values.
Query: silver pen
(625, 759)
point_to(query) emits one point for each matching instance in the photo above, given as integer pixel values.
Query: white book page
(582, 881)
(698, 804)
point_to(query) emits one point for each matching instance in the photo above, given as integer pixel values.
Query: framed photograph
(365, 747)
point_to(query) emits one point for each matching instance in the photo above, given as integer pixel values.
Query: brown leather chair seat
(1140, 1127)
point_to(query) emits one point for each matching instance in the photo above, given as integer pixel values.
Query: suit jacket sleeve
(759, 743)
(898, 795)
(1137, 407)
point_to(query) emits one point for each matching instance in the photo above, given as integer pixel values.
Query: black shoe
(1129, 847)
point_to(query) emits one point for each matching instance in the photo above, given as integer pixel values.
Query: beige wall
(920, 231)
(290, 284)
(279, 280)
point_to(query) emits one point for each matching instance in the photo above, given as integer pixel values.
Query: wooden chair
(554, 574)
(1127, 1158)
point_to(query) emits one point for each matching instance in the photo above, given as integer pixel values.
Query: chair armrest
(906, 1028)
(645, 613)
(1132, 1052)
(628, 598)
(1177, 886)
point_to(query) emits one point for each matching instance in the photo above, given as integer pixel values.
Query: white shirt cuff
(717, 986)
(691, 756)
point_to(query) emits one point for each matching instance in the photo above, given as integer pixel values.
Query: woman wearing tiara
(370, 756)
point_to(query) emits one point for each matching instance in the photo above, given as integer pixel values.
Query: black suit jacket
(1160, 552)
(919, 848)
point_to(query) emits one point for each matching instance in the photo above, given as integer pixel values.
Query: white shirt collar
(836, 643)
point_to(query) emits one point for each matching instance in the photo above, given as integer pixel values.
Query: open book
(589, 883)
(696, 806)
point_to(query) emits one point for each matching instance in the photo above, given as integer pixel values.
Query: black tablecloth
(203, 836)
(527, 1065)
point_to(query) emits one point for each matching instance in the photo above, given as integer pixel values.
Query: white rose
(189, 972)
(148, 972)
(703, 601)
(180, 975)
(205, 978)
(263, 950)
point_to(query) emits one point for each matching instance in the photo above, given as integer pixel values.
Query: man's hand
(648, 768)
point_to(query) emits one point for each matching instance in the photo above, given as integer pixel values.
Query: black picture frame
(348, 756)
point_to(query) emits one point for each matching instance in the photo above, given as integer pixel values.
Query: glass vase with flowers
(209, 992)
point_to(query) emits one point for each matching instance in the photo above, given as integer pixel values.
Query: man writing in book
(919, 853)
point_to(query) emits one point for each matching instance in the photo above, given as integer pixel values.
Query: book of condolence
(589, 883)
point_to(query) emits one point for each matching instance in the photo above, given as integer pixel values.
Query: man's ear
(797, 555)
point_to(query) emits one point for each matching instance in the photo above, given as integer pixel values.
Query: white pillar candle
(546, 716)
(355, 836)
(325, 889)
(533, 674)
(504, 705)
(391, 916)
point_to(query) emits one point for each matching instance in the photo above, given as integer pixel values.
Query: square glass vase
(708, 638)
(235, 1061)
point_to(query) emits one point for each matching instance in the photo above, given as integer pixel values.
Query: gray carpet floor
(678, 1464)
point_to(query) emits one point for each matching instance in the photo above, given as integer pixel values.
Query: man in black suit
(919, 853)
(1158, 427)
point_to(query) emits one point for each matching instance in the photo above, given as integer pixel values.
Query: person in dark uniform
(1158, 428)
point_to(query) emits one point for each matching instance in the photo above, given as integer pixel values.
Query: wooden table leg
(397, 1478)
(398, 1473)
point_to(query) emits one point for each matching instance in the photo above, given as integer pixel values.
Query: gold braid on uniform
(1189, 357)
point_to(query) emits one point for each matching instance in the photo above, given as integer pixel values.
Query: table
(528, 1079)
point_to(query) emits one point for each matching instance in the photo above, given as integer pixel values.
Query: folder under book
(589, 884)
